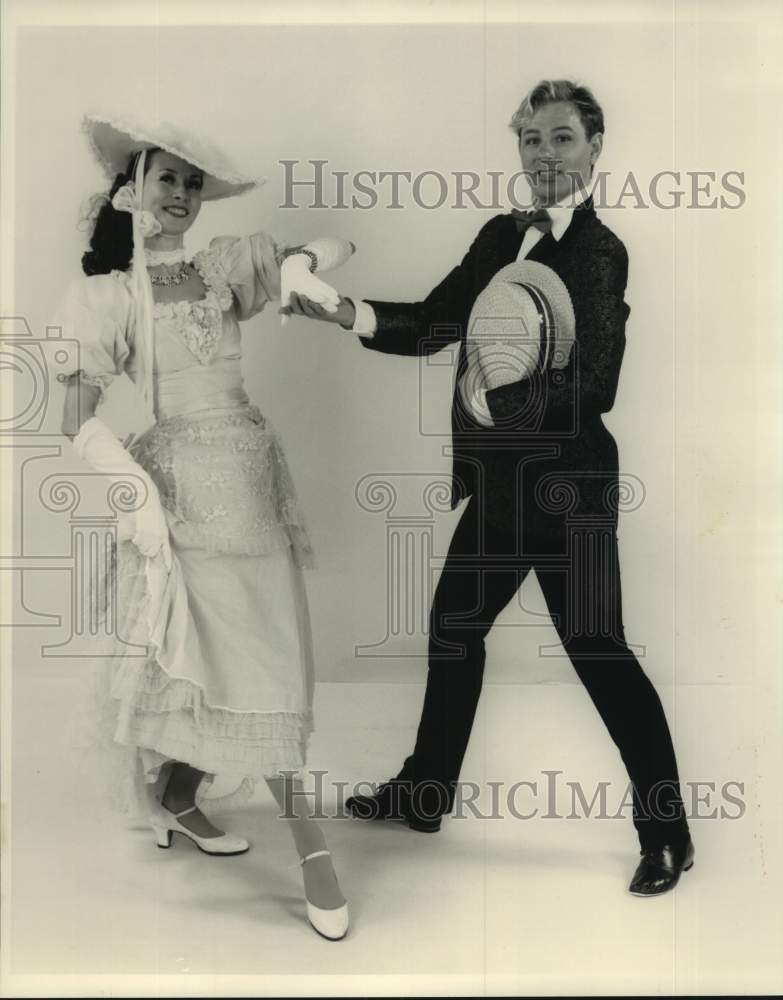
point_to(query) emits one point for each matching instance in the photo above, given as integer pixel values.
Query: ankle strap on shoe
(185, 812)
(315, 854)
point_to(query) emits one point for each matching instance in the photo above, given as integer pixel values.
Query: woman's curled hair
(111, 240)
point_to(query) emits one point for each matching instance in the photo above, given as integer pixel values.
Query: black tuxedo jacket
(549, 457)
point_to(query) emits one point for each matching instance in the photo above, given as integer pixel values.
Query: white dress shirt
(560, 216)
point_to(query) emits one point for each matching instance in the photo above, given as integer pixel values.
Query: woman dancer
(208, 569)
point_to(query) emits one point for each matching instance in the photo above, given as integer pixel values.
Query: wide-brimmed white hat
(114, 139)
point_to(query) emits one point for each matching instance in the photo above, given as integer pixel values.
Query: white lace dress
(226, 682)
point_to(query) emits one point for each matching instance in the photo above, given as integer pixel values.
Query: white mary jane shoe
(166, 824)
(330, 924)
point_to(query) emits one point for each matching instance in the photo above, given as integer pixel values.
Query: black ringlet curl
(111, 240)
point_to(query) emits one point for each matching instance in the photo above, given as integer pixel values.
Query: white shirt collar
(562, 211)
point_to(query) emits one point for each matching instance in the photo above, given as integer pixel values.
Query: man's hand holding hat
(523, 322)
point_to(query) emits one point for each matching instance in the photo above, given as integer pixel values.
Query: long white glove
(145, 527)
(296, 272)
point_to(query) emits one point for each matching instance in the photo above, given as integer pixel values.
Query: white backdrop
(690, 413)
(686, 86)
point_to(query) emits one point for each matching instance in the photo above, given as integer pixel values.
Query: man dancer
(548, 442)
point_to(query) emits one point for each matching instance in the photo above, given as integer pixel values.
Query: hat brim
(549, 284)
(537, 280)
(113, 141)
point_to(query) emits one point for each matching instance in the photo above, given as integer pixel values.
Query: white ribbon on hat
(125, 200)
(129, 199)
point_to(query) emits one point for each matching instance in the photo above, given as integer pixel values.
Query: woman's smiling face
(172, 192)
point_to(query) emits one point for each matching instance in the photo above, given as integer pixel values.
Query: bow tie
(524, 220)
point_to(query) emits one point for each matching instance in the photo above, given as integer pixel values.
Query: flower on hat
(124, 199)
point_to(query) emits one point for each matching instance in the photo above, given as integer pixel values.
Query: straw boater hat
(113, 140)
(524, 322)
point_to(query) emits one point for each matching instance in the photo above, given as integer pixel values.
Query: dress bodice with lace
(217, 462)
(197, 344)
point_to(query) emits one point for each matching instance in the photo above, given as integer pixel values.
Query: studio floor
(488, 905)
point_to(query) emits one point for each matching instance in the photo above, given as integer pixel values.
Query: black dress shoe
(661, 867)
(392, 802)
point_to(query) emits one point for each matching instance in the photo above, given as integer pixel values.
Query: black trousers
(483, 571)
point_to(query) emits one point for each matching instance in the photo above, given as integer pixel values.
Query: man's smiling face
(556, 154)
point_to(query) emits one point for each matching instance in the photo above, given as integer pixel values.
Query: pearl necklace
(168, 258)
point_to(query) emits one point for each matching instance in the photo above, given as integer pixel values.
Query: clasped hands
(304, 294)
(301, 305)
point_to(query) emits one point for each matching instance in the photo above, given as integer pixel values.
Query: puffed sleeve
(251, 265)
(96, 312)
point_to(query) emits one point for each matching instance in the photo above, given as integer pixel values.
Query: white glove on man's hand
(145, 527)
(295, 276)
